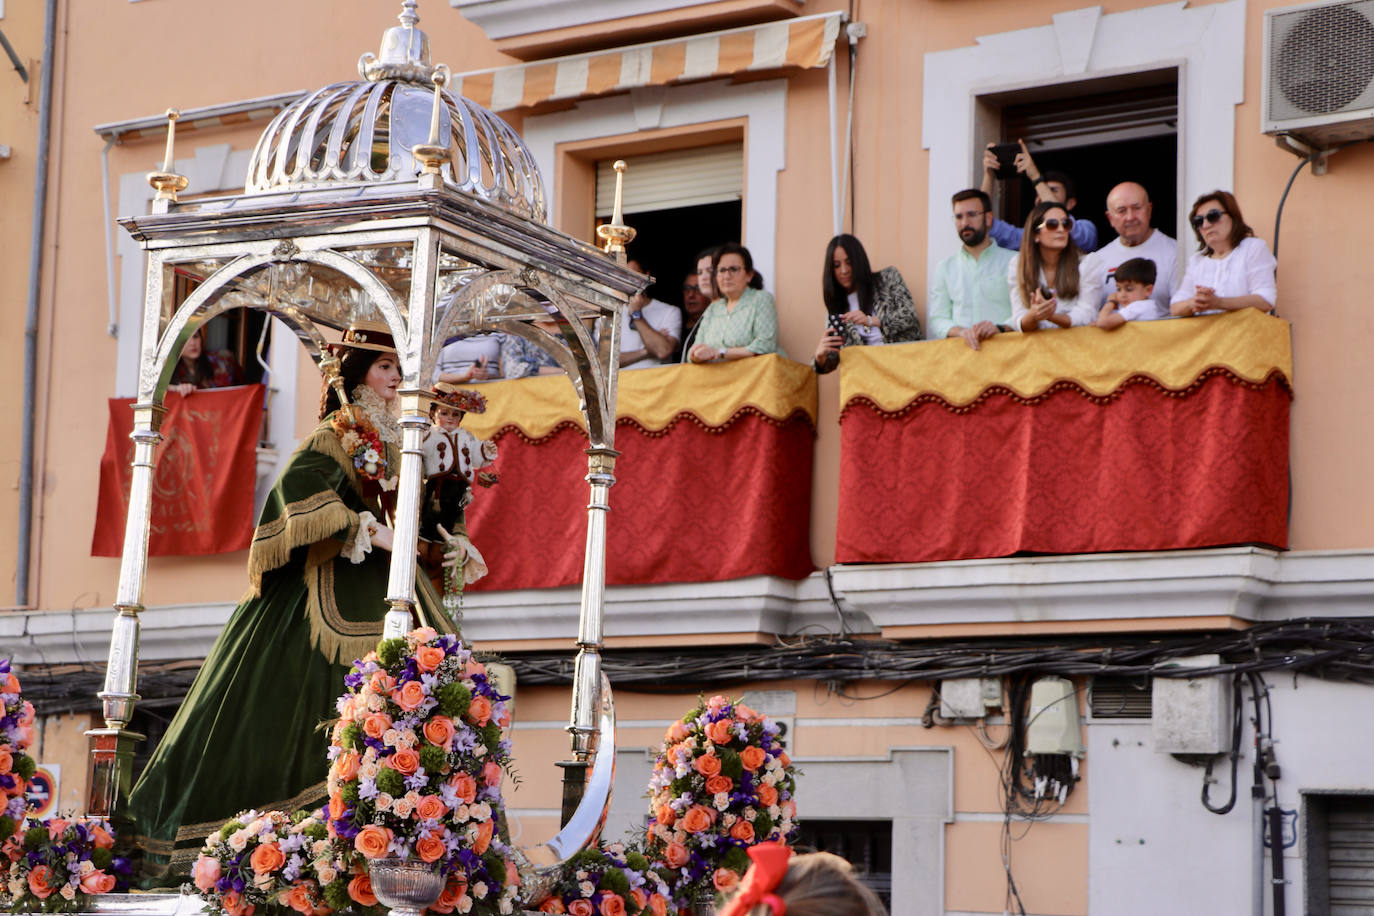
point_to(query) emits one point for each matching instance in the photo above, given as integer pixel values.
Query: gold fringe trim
(337, 639)
(311, 520)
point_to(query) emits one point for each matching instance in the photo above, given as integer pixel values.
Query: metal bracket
(1289, 143)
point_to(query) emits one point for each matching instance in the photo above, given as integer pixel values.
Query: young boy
(453, 462)
(1135, 283)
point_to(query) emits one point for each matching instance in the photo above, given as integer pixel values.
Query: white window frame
(763, 104)
(1205, 43)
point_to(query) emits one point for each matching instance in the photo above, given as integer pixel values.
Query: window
(1339, 859)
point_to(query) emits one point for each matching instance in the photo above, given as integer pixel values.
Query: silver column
(111, 748)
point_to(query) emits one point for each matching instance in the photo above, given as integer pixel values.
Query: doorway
(667, 242)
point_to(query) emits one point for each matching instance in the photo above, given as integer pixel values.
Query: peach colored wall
(1333, 501)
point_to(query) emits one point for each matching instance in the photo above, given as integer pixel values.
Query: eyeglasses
(1212, 216)
(963, 216)
(1052, 223)
(732, 269)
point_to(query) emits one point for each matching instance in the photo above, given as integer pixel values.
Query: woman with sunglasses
(743, 322)
(863, 307)
(1232, 270)
(1047, 290)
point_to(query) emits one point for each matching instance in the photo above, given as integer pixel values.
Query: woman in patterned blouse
(874, 308)
(743, 322)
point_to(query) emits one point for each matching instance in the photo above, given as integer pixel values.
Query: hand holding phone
(835, 325)
(1006, 159)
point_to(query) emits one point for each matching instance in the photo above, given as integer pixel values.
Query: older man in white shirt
(1129, 210)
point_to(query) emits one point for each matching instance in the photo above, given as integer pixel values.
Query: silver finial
(404, 53)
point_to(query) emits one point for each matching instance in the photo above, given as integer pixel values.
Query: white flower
(327, 874)
(376, 703)
(728, 820)
(481, 811)
(721, 801)
(237, 841)
(581, 874)
(586, 888)
(750, 813)
(402, 807)
(464, 904)
(505, 906)
(68, 892)
(479, 890)
(369, 769)
(383, 801)
(775, 812)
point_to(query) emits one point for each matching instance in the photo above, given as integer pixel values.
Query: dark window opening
(244, 334)
(867, 845)
(1338, 859)
(1099, 133)
(668, 241)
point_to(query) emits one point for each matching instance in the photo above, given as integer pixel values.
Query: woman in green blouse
(743, 322)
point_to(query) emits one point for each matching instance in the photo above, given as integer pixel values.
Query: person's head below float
(813, 884)
(369, 368)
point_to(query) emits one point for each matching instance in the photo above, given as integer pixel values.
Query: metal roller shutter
(677, 178)
(1350, 857)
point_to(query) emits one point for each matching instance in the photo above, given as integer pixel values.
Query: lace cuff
(362, 543)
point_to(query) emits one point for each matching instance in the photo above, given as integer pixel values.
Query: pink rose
(439, 731)
(479, 711)
(725, 880)
(430, 808)
(97, 882)
(464, 786)
(410, 696)
(205, 873)
(580, 907)
(491, 773)
(427, 658)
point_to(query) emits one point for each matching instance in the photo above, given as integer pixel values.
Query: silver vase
(406, 886)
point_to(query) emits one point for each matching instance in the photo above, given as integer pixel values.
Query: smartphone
(835, 325)
(1006, 159)
(1046, 292)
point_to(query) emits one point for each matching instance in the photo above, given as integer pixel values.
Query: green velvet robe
(247, 734)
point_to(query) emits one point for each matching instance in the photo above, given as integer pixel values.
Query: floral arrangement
(264, 859)
(721, 783)
(58, 864)
(16, 767)
(609, 881)
(362, 443)
(417, 761)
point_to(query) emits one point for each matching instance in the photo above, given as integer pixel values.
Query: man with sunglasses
(1129, 210)
(969, 296)
(1049, 186)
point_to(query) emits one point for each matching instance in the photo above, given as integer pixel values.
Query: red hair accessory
(763, 877)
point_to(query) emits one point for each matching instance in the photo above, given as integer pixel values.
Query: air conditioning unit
(1319, 72)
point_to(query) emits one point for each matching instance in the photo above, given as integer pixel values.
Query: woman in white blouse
(1047, 290)
(1233, 270)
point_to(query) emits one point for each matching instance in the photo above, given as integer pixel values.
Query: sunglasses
(1212, 216)
(1052, 223)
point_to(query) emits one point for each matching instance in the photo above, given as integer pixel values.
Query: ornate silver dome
(363, 132)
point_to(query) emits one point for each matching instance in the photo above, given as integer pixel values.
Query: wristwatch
(636, 315)
(722, 353)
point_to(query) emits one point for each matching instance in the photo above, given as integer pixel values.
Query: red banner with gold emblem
(206, 469)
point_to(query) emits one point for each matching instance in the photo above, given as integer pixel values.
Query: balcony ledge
(1233, 586)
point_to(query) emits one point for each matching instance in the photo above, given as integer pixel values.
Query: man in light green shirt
(969, 294)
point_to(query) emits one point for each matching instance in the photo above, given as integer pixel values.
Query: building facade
(781, 123)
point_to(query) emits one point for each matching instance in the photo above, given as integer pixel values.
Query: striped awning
(802, 43)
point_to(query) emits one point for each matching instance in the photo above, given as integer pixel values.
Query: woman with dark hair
(1047, 290)
(199, 368)
(874, 308)
(743, 322)
(246, 735)
(1232, 269)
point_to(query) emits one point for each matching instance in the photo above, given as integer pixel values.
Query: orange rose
(360, 889)
(410, 695)
(11, 683)
(429, 848)
(428, 657)
(372, 841)
(336, 807)
(479, 711)
(404, 761)
(233, 905)
(267, 858)
(743, 831)
(768, 796)
(666, 815)
(439, 731)
(745, 713)
(676, 732)
(375, 725)
(97, 882)
(101, 837)
(512, 874)
(720, 731)
(465, 786)
(382, 682)
(612, 905)
(641, 898)
(453, 892)
(697, 819)
(6, 761)
(38, 879)
(491, 773)
(752, 757)
(423, 634)
(430, 808)
(297, 897)
(789, 808)
(580, 908)
(504, 719)
(784, 759)
(658, 905)
(553, 905)
(484, 832)
(346, 765)
(676, 855)
(725, 880)
(707, 765)
(719, 783)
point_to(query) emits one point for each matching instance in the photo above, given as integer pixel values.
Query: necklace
(378, 412)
